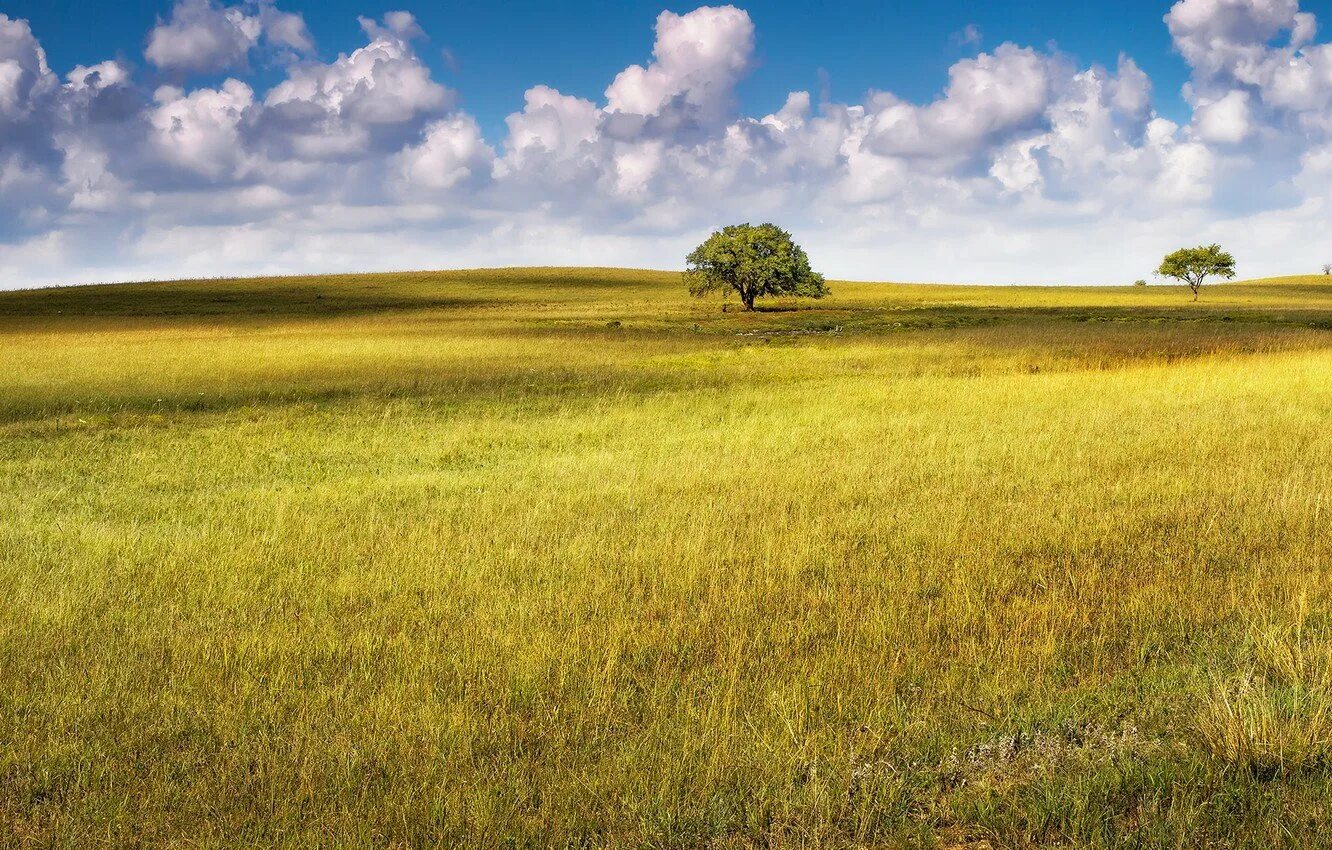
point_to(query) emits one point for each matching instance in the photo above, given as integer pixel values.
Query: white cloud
(99, 76)
(452, 153)
(699, 57)
(200, 131)
(1224, 121)
(987, 97)
(24, 74)
(553, 124)
(1228, 39)
(375, 98)
(203, 36)
(285, 29)
(968, 36)
(1241, 66)
(395, 25)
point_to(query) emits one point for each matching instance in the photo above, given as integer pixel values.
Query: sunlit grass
(457, 559)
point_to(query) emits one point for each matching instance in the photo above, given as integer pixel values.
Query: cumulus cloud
(1253, 62)
(397, 25)
(203, 36)
(97, 77)
(452, 153)
(1017, 171)
(200, 131)
(689, 88)
(24, 74)
(987, 98)
(376, 98)
(1229, 38)
(553, 124)
(1224, 120)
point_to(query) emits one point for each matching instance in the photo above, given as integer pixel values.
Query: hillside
(556, 557)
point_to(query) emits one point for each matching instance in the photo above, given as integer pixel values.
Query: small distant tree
(1194, 265)
(1327, 268)
(1140, 282)
(752, 261)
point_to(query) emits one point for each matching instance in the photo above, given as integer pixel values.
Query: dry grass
(454, 559)
(1273, 718)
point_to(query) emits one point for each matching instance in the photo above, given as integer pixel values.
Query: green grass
(566, 558)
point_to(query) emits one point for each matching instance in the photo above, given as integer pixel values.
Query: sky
(1004, 142)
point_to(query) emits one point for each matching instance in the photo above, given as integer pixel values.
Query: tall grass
(1273, 715)
(455, 560)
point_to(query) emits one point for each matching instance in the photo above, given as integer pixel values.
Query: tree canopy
(1193, 265)
(753, 261)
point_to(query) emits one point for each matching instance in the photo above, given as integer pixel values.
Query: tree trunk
(747, 298)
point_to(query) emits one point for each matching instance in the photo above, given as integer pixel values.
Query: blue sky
(999, 142)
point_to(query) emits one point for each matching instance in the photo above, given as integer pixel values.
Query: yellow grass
(564, 557)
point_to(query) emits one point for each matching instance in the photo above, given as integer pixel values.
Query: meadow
(566, 558)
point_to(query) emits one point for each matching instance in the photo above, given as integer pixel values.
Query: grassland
(566, 558)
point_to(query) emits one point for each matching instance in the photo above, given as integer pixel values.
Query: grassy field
(551, 558)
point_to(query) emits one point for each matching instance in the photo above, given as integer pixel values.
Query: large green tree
(752, 261)
(1194, 265)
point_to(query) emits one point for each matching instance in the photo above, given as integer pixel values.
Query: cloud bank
(1026, 168)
